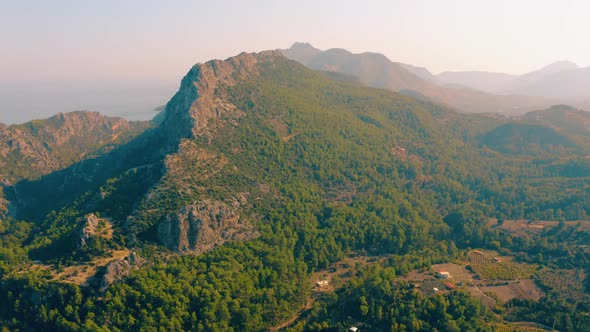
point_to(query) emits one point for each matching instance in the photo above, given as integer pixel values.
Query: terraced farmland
(488, 267)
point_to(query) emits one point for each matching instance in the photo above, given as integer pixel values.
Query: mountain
(37, 148)
(561, 129)
(563, 118)
(421, 72)
(301, 52)
(535, 76)
(376, 70)
(263, 176)
(516, 138)
(479, 80)
(563, 80)
(568, 83)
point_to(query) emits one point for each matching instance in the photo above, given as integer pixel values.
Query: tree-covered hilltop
(261, 173)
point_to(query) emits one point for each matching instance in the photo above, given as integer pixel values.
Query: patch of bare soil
(81, 273)
(519, 289)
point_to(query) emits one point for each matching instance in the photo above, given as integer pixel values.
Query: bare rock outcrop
(65, 127)
(18, 149)
(120, 268)
(194, 118)
(86, 230)
(189, 112)
(202, 226)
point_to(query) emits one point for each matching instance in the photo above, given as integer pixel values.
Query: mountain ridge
(563, 80)
(376, 70)
(41, 142)
(481, 80)
(264, 175)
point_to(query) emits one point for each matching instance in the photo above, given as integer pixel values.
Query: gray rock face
(193, 119)
(39, 147)
(18, 144)
(87, 229)
(196, 102)
(120, 268)
(202, 226)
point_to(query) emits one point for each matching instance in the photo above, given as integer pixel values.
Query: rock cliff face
(64, 128)
(196, 102)
(23, 155)
(177, 156)
(192, 122)
(202, 226)
(118, 269)
(86, 230)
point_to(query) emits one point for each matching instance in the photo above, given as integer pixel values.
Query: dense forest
(327, 170)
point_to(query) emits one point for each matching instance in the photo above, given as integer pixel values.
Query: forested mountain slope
(260, 173)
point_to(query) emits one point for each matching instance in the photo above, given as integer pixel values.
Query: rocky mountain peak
(61, 128)
(39, 147)
(197, 100)
(301, 52)
(302, 45)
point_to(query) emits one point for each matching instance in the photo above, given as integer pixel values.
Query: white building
(322, 283)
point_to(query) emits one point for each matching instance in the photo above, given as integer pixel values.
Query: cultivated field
(523, 227)
(489, 266)
(520, 289)
(484, 272)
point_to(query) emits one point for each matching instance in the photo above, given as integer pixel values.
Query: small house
(353, 329)
(443, 274)
(322, 283)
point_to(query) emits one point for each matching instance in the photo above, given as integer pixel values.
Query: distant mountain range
(470, 92)
(561, 79)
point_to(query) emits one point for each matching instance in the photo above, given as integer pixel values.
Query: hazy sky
(127, 39)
